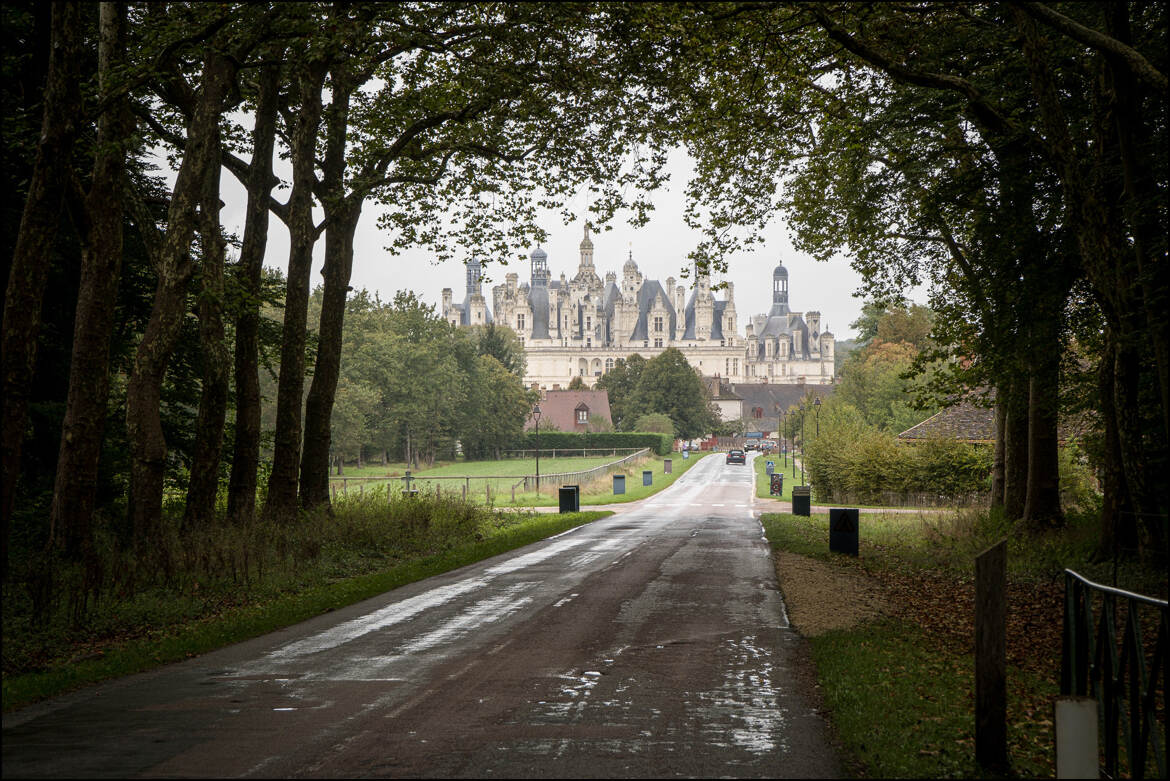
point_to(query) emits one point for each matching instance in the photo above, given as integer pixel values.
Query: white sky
(660, 249)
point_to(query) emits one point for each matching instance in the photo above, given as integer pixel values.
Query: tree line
(1008, 156)
(414, 387)
(450, 116)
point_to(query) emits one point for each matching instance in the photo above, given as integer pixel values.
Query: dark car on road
(736, 457)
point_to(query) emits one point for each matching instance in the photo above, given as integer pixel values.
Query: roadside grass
(600, 489)
(481, 473)
(232, 584)
(763, 484)
(900, 689)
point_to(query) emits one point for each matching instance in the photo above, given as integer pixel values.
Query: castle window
(658, 324)
(657, 342)
(588, 323)
(582, 415)
(608, 364)
(520, 322)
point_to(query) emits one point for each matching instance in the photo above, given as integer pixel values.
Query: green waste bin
(619, 484)
(647, 477)
(570, 497)
(801, 500)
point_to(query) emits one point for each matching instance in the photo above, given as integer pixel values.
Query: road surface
(650, 643)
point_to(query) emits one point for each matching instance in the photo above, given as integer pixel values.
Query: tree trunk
(37, 234)
(246, 448)
(282, 485)
(342, 215)
(1015, 450)
(148, 447)
(1118, 529)
(1042, 503)
(323, 390)
(74, 490)
(997, 464)
(204, 480)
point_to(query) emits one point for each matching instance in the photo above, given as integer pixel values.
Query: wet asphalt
(652, 643)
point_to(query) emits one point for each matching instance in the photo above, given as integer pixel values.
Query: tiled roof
(559, 408)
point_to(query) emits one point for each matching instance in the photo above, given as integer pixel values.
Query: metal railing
(584, 476)
(1124, 682)
(568, 452)
(412, 483)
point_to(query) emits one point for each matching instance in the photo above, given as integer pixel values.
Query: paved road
(651, 643)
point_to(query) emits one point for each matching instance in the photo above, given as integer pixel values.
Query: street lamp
(536, 417)
(817, 410)
(802, 444)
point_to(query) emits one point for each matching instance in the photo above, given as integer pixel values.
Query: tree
(656, 422)
(25, 286)
(670, 386)
(621, 382)
(578, 383)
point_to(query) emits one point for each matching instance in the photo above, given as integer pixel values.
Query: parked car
(749, 446)
(736, 457)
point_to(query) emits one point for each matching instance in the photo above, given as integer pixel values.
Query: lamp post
(817, 410)
(536, 417)
(793, 450)
(802, 444)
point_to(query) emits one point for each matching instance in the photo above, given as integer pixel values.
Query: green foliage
(852, 461)
(666, 385)
(658, 443)
(656, 422)
(621, 381)
(411, 384)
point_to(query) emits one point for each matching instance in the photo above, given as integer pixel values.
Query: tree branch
(1142, 68)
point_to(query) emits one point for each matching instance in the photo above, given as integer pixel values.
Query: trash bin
(647, 477)
(801, 500)
(667, 466)
(570, 496)
(776, 484)
(619, 484)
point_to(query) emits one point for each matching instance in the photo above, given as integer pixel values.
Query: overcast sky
(659, 248)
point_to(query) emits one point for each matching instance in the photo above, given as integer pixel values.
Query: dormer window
(582, 415)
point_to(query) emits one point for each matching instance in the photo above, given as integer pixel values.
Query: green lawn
(494, 481)
(762, 482)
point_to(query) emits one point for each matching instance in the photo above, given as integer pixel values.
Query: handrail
(1126, 690)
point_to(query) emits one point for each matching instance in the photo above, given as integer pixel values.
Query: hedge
(872, 467)
(661, 444)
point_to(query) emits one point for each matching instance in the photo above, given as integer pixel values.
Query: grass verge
(900, 688)
(72, 659)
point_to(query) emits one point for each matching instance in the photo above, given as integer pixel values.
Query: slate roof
(767, 396)
(971, 423)
(651, 289)
(559, 407)
(964, 421)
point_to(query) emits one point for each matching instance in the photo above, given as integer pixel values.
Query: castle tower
(779, 291)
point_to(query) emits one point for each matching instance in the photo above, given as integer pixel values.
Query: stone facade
(580, 327)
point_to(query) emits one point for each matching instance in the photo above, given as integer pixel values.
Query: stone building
(580, 327)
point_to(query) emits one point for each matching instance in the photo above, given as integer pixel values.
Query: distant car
(749, 446)
(736, 457)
